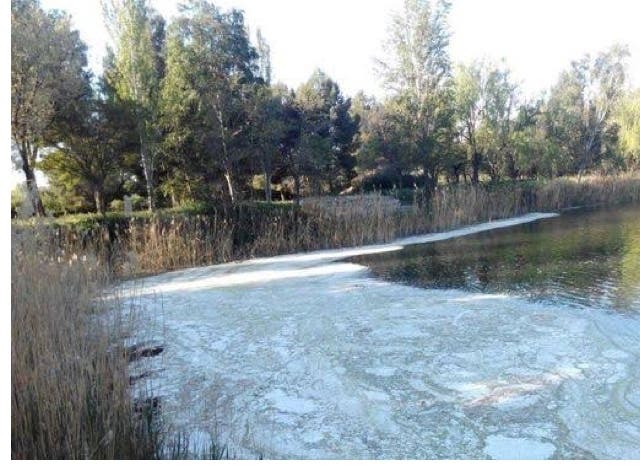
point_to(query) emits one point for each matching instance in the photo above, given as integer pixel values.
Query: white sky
(537, 38)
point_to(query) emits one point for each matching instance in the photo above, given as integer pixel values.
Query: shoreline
(322, 256)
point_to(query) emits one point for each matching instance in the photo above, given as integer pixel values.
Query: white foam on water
(507, 448)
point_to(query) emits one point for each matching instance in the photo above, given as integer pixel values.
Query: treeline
(187, 112)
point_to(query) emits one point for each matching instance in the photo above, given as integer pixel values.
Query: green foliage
(186, 114)
(47, 81)
(89, 162)
(418, 72)
(627, 117)
(485, 107)
(135, 76)
(211, 68)
(328, 140)
(580, 109)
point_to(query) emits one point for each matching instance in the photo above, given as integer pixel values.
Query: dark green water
(585, 258)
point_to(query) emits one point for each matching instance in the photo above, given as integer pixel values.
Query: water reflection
(582, 258)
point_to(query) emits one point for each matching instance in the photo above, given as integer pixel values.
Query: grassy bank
(70, 391)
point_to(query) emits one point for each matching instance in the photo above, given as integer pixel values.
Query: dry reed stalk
(69, 390)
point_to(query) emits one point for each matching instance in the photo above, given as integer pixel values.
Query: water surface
(519, 343)
(582, 258)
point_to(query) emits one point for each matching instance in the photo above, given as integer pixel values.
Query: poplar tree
(417, 72)
(581, 107)
(136, 76)
(485, 101)
(627, 117)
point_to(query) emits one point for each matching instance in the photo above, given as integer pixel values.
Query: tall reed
(592, 190)
(69, 384)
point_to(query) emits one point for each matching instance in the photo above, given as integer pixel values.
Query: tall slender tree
(136, 77)
(418, 73)
(580, 109)
(470, 92)
(627, 117)
(501, 108)
(211, 68)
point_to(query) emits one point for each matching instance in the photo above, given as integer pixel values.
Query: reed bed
(593, 190)
(456, 206)
(333, 222)
(353, 220)
(70, 395)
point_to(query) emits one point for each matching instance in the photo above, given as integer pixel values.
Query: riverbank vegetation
(70, 394)
(145, 243)
(183, 152)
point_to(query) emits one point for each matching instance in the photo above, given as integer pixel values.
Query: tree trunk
(296, 180)
(98, 197)
(511, 167)
(32, 185)
(475, 167)
(430, 182)
(267, 186)
(266, 167)
(148, 175)
(315, 185)
(227, 177)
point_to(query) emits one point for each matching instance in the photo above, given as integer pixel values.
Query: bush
(383, 180)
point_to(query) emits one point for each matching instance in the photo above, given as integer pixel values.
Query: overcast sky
(537, 38)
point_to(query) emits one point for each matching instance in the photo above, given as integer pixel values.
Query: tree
(344, 129)
(533, 154)
(265, 117)
(266, 129)
(627, 117)
(485, 100)
(137, 76)
(470, 91)
(294, 163)
(417, 72)
(501, 100)
(211, 68)
(89, 162)
(384, 152)
(329, 133)
(581, 106)
(47, 79)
